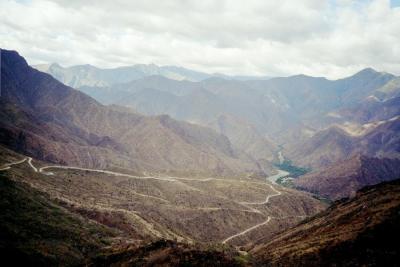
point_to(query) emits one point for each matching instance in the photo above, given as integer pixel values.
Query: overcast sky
(333, 38)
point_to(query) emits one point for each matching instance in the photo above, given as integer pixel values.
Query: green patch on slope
(294, 171)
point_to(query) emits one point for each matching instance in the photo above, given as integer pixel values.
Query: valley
(165, 163)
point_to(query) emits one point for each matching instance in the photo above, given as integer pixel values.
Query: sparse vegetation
(35, 230)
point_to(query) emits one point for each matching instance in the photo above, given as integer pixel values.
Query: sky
(331, 38)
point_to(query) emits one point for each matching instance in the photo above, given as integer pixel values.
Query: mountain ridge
(60, 108)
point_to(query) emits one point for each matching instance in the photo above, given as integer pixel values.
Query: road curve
(41, 170)
(8, 165)
(30, 164)
(247, 230)
(266, 199)
(167, 178)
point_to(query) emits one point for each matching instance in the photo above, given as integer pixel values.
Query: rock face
(344, 178)
(48, 120)
(363, 231)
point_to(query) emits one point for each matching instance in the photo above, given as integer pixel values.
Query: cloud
(331, 38)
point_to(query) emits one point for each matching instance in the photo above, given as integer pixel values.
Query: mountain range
(318, 121)
(50, 121)
(165, 166)
(88, 75)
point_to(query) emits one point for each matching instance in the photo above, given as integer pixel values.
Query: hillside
(37, 230)
(149, 208)
(344, 178)
(120, 218)
(363, 231)
(340, 142)
(50, 121)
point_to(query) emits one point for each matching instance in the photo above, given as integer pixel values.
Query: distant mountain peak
(367, 72)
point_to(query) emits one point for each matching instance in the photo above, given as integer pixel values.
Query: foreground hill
(74, 219)
(48, 120)
(188, 209)
(363, 231)
(344, 178)
(38, 231)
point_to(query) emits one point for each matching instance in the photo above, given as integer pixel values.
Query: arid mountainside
(48, 120)
(363, 231)
(146, 208)
(371, 110)
(344, 178)
(119, 219)
(284, 110)
(342, 141)
(38, 230)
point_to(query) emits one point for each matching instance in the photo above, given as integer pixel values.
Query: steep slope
(35, 230)
(363, 231)
(339, 142)
(245, 136)
(344, 178)
(185, 100)
(44, 118)
(323, 148)
(371, 110)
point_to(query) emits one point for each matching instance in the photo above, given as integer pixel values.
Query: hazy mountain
(88, 75)
(245, 136)
(362, 231)
(344, 178)
(46, 119)
(287, 110)
(278, 101)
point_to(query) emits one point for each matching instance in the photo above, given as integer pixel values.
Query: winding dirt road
(8, 165)
(268, 197)
(167, 178)
(246, 231)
